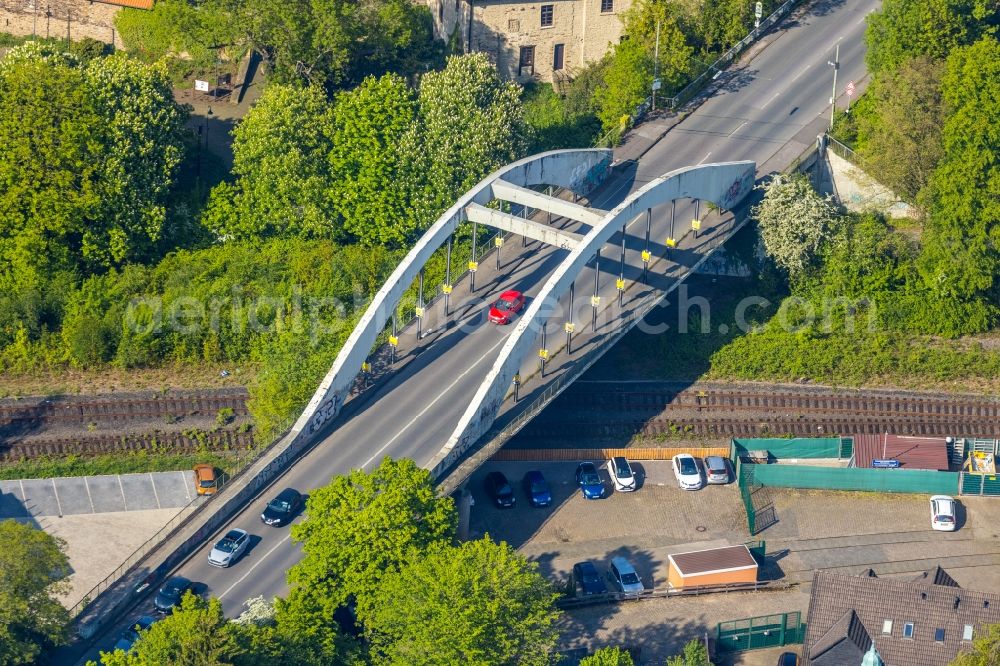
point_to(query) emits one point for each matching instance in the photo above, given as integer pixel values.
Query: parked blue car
(537, 488)
(589, 480)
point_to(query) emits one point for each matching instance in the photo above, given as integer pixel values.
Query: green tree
(960, 261)
(479, 603)
(359, 528)
(903, 29)
(33, 567)
(195, 634)
(609, 656)
(724, 22)
(626, 83)
(88, 154)
(900, 143)
(794, 222)
(695, 654)
(985, 649)
(369, 185)
(280, 151)
(277, 635)
(472, 124)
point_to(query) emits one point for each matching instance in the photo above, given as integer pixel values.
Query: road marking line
(773, 97)
(156, 495)
(89, 496)
(705, 158)
(255, 565)
(434, 402)
(122, 488)
(24, 498)
(801, 72)
(58, 503)
(738, 128)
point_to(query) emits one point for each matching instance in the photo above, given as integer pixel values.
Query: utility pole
(833, 95)
(656, 65)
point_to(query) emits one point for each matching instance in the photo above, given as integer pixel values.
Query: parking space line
(122, 488)
(187, 491)
(89, 496)
(156, 495)
(56, 491)
(24, 498)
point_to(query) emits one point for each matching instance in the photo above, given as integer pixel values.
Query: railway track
(103, 409)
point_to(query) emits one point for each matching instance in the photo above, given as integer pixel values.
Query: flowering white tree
(794, 222)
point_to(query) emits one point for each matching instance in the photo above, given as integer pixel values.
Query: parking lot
(842, 531)
(112, 493)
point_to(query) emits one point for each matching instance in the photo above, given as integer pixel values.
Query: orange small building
(715, 566)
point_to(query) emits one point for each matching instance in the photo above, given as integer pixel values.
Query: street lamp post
(835, 63)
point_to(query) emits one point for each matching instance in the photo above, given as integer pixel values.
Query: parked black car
(788, 659)
(282, 508)
(170, 594)
(499, 489)
(588, 579)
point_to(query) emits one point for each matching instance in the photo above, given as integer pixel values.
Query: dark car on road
(589, 480)
(537, 488)
(588, 579)
(170, 594)
(498, 488)
(282, 508)
(788, 659)
(131, 635)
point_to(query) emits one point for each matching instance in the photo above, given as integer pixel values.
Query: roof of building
(713, 560)
(911, 452)
(846, 642)
(135, 4)
(932, 603)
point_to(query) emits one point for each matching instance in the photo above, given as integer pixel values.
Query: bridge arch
(723, 184)
(577, 170)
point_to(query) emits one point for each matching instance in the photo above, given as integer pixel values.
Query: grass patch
(131, 462)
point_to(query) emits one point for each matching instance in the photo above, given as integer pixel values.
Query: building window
(967, 633)
(526, 62)
(513, 25)
(607, 6)
(887, 626)
(547, 16)
(908, 630)
(939, 635)
(557, 57)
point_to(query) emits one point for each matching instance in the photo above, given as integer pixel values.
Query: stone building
(546, 40)
(61, 18)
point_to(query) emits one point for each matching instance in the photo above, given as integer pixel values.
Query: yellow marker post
(498, 241)
(595, 301)
(393, 340)
(543, 354)
(366, 367)
(696, 225)
(646, 256)
(446, 289)
(473, 266)
(570, 327)
(620, 283)
(419, 312)
(671, 242)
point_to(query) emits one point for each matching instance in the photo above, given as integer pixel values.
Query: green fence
(763, 631)
(854, 478)
(798, 447)
(980, 484)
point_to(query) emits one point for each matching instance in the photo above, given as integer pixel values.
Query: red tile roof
(911, 452)
(135, 4)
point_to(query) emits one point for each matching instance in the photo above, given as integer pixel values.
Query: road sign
(201, 86)
(758, 10)
(885, 463)
(657, 84)
(850, 89)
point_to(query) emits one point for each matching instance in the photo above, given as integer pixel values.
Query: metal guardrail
(841, 150)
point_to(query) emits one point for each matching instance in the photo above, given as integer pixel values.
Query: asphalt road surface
(753, 113)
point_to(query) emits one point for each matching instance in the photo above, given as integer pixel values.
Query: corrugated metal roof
(135, 4)
(713, 560)
(911, 452)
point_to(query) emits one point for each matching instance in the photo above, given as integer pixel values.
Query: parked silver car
(716, 469)
(229, 548)
(624, 576)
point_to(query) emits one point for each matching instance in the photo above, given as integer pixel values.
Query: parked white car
(686, 471)
(229, 548)
(621, 474)
(943, 513)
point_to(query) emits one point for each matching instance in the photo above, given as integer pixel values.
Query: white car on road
(943, 513)
(621, 474)
(686, 471)
(229, 548)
